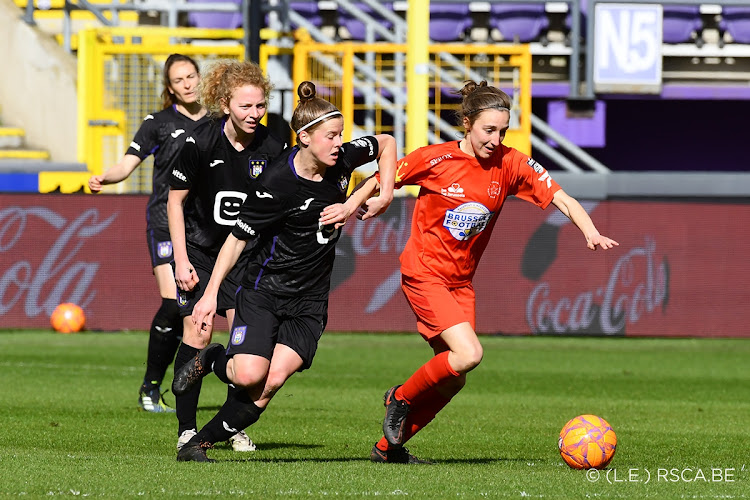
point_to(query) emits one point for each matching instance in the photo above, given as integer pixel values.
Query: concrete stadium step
(23, 154)
(11, 137)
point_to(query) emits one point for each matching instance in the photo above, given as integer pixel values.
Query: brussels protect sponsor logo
(238, 335)
(227, 207)
(164, 249)
(467, 220)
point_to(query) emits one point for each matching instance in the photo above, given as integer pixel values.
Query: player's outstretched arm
(575, 212)
(114, 174)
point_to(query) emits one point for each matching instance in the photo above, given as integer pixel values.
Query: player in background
(463, 185)
(161, 134)
(293, 218)
(214, 175)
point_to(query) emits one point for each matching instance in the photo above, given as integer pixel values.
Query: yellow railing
(362, 78)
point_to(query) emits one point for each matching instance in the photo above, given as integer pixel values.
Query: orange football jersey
(458, 204)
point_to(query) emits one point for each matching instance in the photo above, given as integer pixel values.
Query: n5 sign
(627, 47)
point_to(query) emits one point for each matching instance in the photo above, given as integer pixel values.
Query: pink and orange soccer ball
(587, 442)
(68, 318)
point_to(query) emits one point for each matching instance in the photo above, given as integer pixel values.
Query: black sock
(219, 366)
(164, 337)
(186, 405)
(238, 413)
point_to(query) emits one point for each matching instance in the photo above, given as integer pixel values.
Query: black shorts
(204, 265)
(159, 246)
(262, 320)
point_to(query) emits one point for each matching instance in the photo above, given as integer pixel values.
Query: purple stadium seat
(217, 20)
(308, 10)
(356, 28)
(521, 22)
(680, 22)
(449, 21)
(736, 21)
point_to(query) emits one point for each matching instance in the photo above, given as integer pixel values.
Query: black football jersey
(161, 134)
(293, 253)
(219, 178)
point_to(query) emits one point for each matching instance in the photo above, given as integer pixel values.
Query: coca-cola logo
(62, 275)
(636, 286)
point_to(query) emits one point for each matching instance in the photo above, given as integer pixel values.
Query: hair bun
(306, 91)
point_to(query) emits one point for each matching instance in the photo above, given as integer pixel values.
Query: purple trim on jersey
(273, 246)
(222, 125)
(153, 151)
(153, 249)
(291, 161)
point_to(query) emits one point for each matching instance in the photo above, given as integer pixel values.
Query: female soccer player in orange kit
(463, 185)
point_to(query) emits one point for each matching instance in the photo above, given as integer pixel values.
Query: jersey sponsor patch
(535, 165)
(467, 220)
(227, 207)
(363, 143)
(164, 249)
(454, 191)
(179, 175)
(135, 146)
(256, 167)
(238, 335)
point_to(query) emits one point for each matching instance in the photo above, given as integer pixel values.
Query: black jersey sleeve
(146, 139)
(359, 152)
(186, 166)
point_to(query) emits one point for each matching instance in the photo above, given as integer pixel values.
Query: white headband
(319, 119)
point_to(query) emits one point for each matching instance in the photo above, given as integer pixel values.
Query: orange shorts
(437, 306)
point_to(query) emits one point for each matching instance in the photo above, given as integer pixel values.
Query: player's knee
(469, 358)
(245, 376)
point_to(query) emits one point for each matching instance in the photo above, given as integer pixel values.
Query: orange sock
(429, 375)
(423, 413)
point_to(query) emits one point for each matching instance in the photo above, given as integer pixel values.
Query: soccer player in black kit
(214, 175)
(292, 220)
(161, 134)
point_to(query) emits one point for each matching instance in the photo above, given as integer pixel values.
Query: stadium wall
(677, 272)
(38, 88)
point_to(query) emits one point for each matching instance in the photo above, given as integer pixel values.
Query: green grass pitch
(680, 408)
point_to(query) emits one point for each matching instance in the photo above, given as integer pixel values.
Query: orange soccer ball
(587, 442)
(68, 318)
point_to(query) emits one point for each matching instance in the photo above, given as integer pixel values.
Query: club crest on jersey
(238, 335)
(343, 183)
(467, 220)
(164, 249)
(493, 189)
(256, 167)
(182, 299)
